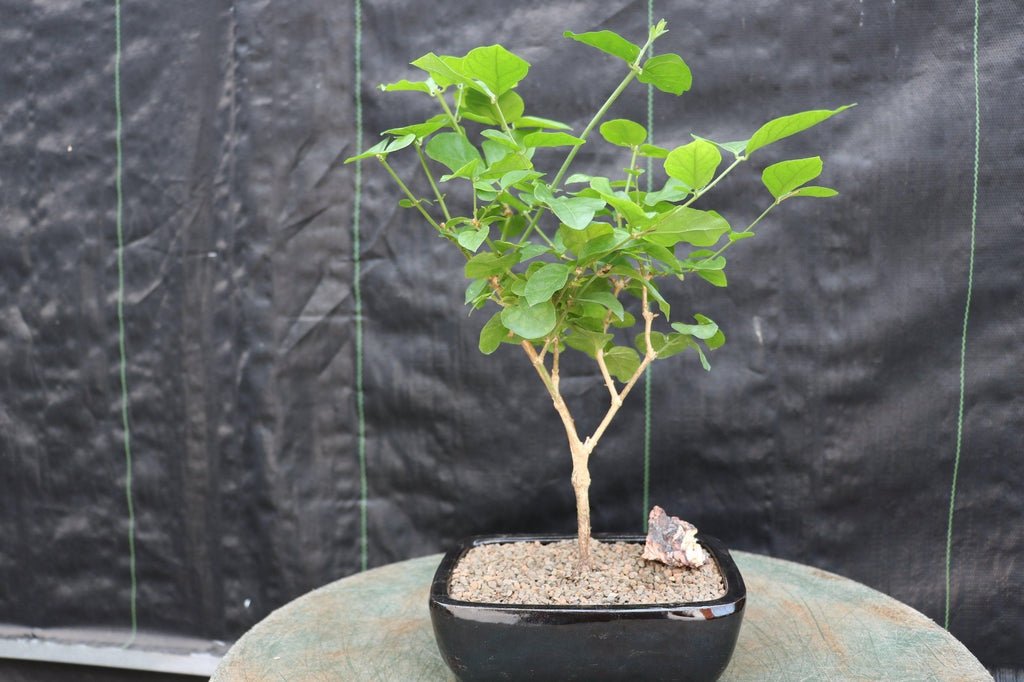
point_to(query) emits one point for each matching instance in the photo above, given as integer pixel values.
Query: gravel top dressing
(545, 574)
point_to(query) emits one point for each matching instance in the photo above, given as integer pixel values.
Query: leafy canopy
(560, 257)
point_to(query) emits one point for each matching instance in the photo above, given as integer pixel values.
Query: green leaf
(608, 42)
(587, 340)
(452, 150)
(408, 86)
(473, 237)
(653, 151)
(400, 143)
(488, 263)
(552, 140)
(665, 345)
(601, 185)
(375, 150)
(384, 147)
(714, 277)
(663, 305)
(529, 251)
(623, 132)
(705, 260)
(674, 190)
(704, 329)
(543, 284)
(575, 212)
(474, 290)
(496, 67)
(421, 130)
(693, 164)
(501, 138)
(622, 362)
(516, 176)
(633, 214)
(667, 72)
(664, 255)
(602, 246)
(703, 358)
(717, 339)
(477, 106)
(440, 69)
(685, 224)
(494, 151)
(492, 334)
(538, 122)
(626, 322)
(814, 191)
(735, 148)
(785, 176)
(783, 127)
(575, 240)
(508, 163)
(606, 299)
(529, 321)
(468, 172)
(512, 106)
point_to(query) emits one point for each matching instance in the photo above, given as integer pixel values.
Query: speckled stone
(546, 574)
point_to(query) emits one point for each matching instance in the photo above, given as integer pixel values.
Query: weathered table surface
(800, 624)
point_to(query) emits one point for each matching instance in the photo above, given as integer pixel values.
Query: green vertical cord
(647, 372)
(357, 293)
(120, 322)
(967, 310)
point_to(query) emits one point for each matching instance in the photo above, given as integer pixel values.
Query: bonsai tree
(557, 254)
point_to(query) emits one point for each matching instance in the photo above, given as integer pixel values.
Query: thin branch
(451, 116)
(430, 178)
(555, 379)
(538, 365)
(575, 446)
(544, 348)
(591, 442)
(616, 400)
(707, 188)
(749, 227)
(418, 203)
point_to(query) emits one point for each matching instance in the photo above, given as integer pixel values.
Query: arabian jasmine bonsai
(555, 253)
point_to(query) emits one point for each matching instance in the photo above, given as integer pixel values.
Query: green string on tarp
(967, 311)
(358, 295)
(647, 372)
(122, 346)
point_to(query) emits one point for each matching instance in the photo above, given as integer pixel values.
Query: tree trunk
(581, 486)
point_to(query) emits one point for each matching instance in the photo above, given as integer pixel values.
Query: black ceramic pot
(621, 642)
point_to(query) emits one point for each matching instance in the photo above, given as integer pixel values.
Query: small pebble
(538, 574)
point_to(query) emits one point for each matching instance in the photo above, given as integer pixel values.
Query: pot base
(678, 641)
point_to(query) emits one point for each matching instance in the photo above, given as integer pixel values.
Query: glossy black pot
(620, 642)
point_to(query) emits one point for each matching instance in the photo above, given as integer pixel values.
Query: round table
(801, 623)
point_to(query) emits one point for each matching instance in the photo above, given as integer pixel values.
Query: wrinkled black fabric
(824, 434)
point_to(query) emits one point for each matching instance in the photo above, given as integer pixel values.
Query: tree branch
(616, 400)
(591, 442)
(575, 446)
(430, 178)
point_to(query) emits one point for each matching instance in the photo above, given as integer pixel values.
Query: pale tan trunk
(581, 486)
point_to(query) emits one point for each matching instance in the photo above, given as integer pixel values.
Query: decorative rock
(672, 541)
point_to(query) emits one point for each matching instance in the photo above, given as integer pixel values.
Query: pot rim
(732, 602)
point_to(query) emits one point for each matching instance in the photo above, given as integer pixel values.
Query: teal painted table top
(800, 624)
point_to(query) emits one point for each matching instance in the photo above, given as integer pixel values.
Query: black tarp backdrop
(825, 433)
